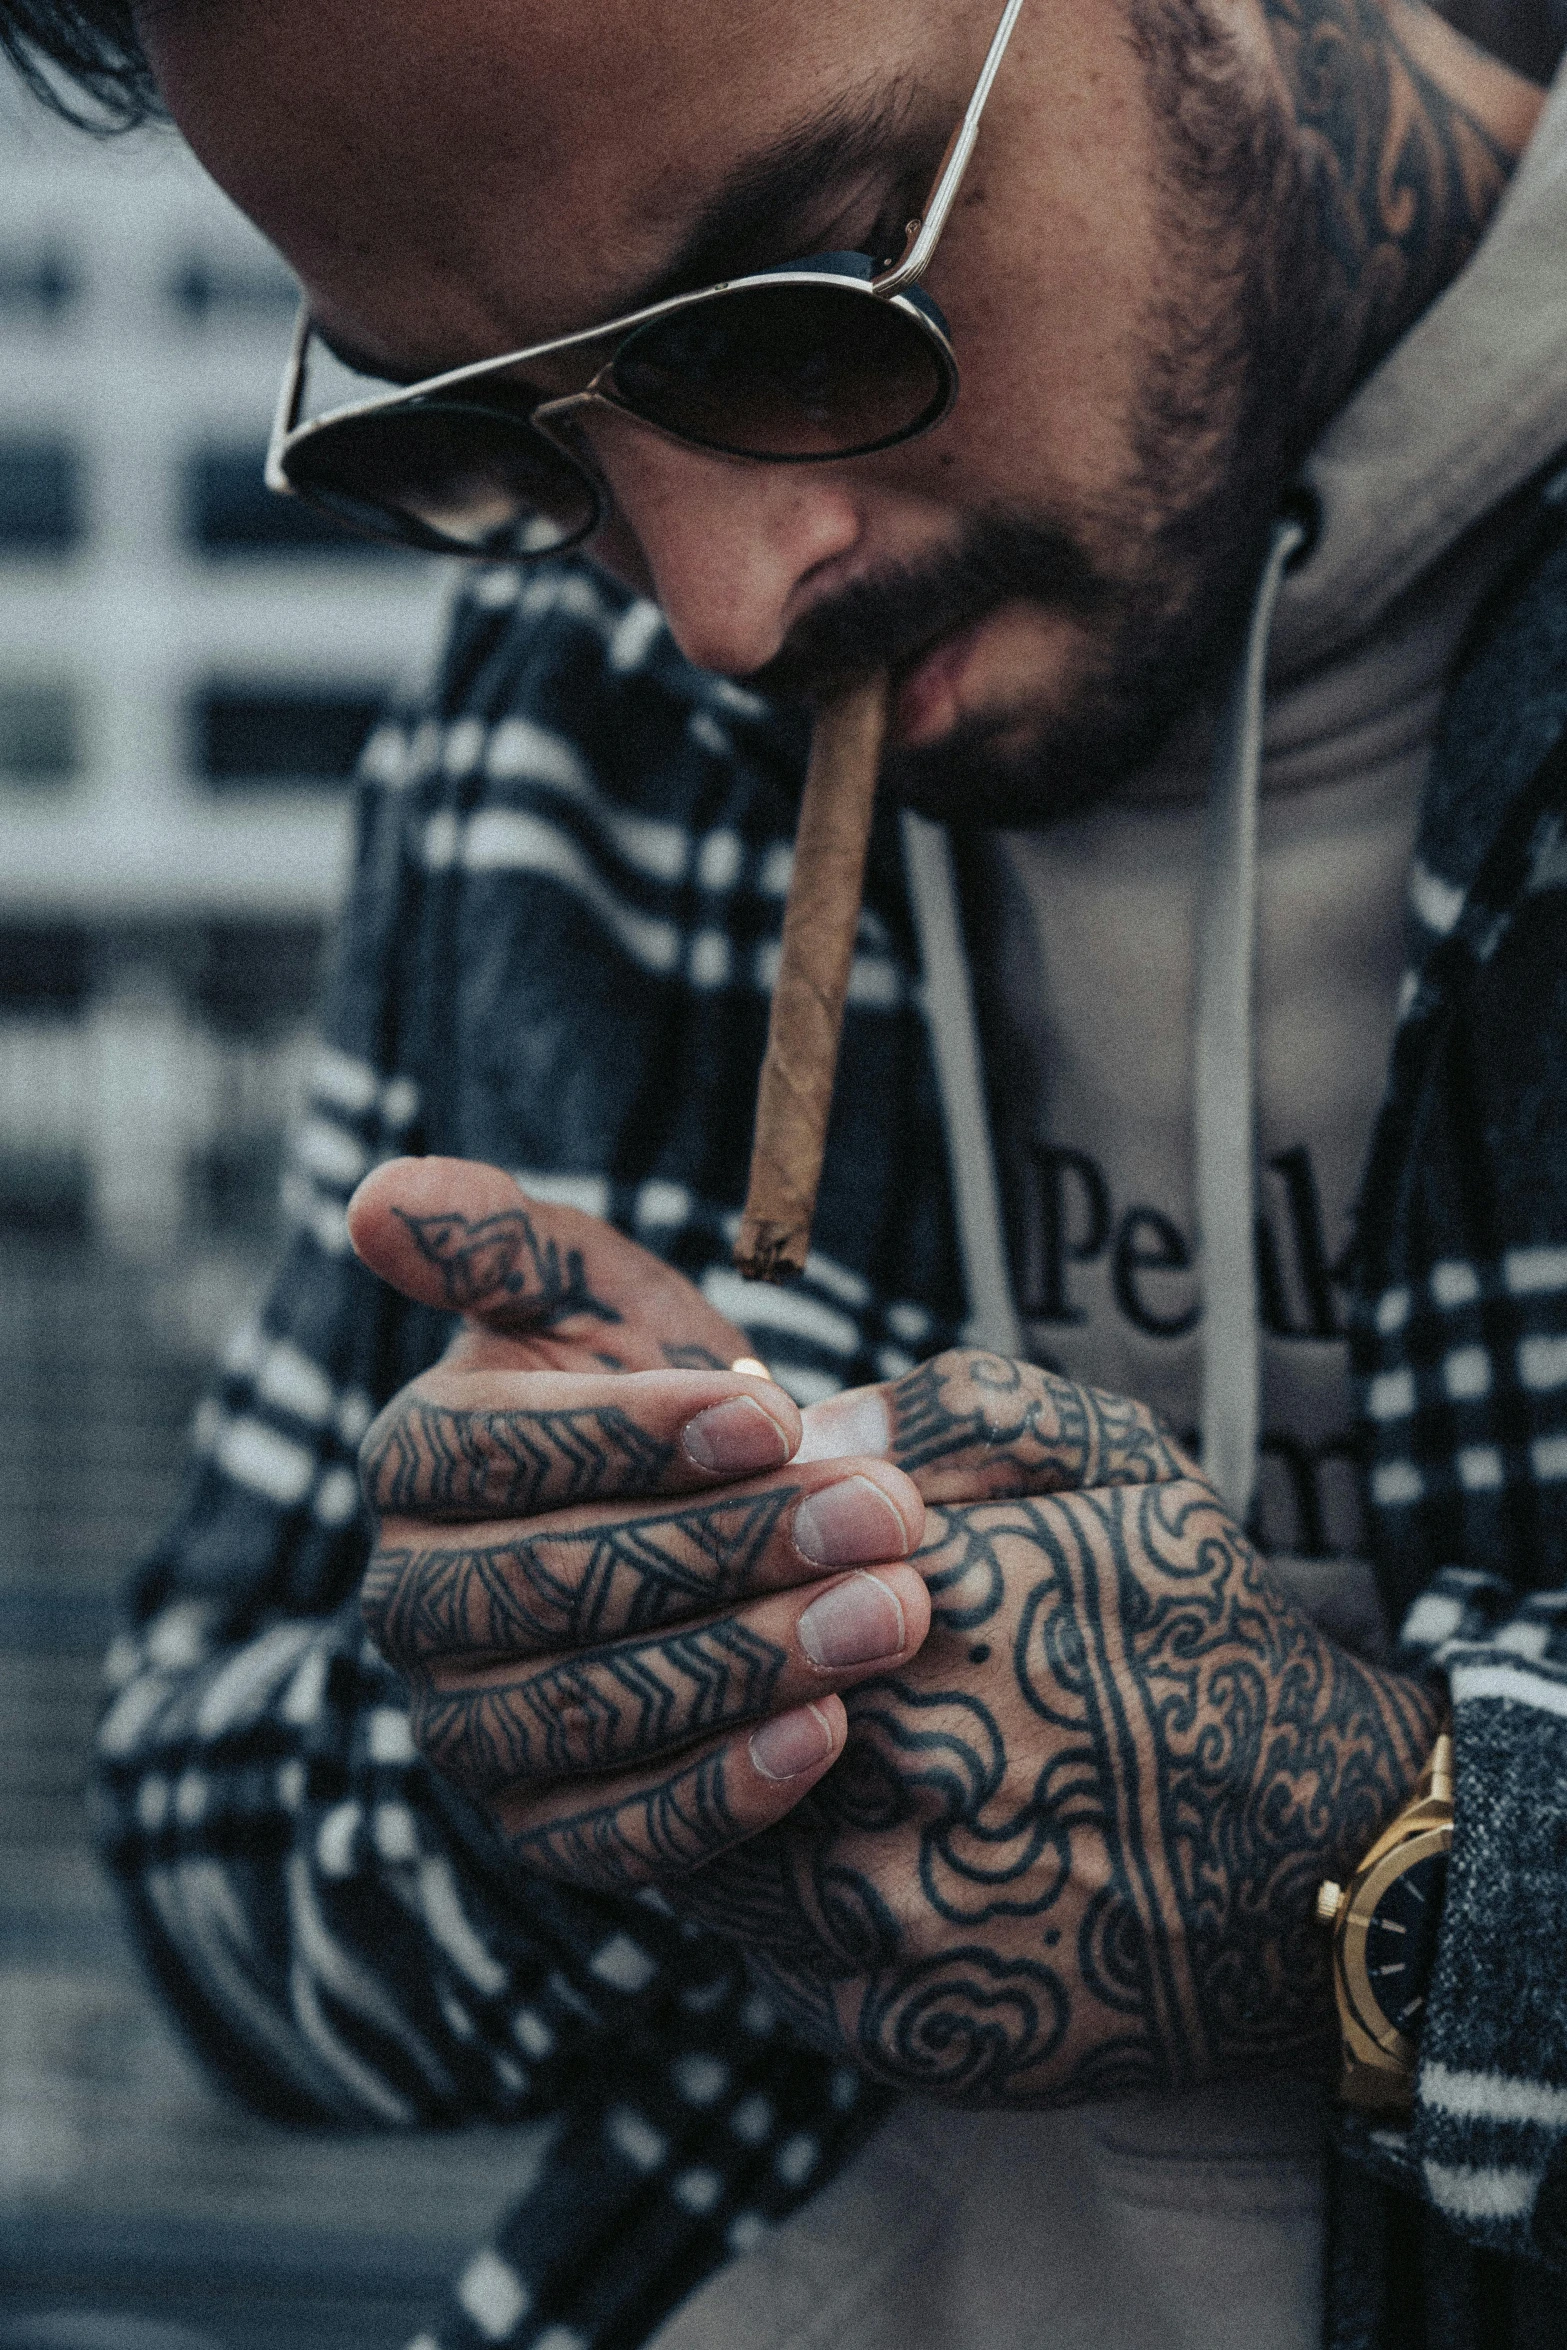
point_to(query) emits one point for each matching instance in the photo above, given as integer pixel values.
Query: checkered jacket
(569, 879)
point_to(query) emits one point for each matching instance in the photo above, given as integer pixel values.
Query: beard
(1154, 583)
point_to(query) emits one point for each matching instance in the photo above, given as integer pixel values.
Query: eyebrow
(765, 193)
(745, 223)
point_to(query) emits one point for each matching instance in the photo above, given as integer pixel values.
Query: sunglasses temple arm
(288, 401)
(926, 231)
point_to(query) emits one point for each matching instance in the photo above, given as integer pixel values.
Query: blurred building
(187, 669)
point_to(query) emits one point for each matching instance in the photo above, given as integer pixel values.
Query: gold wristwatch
(1384, 1925)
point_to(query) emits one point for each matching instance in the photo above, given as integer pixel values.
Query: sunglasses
(822, 358)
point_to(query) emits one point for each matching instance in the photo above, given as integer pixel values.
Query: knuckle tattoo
(1025, 1429)
(564, 1586)
(598, 1711)
(443, 1460)
(660, 1832)
(524, 1283)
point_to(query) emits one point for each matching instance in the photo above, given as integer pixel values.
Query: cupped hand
(1091, 1762)
(619, 1599)
(613, 1570)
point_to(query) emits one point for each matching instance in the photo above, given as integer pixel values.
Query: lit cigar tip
(764, 1252)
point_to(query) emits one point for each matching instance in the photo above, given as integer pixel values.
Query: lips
(925, 705)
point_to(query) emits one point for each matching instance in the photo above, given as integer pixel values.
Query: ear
(566, 1290)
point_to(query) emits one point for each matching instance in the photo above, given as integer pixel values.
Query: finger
(498, 1444)
(649, 1827)
(625, 1705)
(580, 1577)
(969, 1426)
(460, 1236)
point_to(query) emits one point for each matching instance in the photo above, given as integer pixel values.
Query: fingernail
(846, 1424)
(851, 1524)
(735, 1435)
(855, 1623)
(795, 1742)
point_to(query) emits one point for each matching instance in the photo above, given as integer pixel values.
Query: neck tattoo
(1403, 175)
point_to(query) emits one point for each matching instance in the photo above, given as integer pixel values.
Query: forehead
(450, 176)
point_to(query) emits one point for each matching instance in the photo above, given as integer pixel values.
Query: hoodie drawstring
(1223, 1106)
(1222, 1060)
(954, 1043)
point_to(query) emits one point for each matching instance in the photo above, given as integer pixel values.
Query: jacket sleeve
(334, 1929)
(1461, 1344)
(1486, 2143)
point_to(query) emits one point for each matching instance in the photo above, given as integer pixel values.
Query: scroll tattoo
(1401, 177)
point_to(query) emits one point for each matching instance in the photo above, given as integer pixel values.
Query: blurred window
(247, 735)
(41, 504)
(201, 290)
(37, 287)
(255, 978)
(44, 967)
(40, 732)
(45, 1177)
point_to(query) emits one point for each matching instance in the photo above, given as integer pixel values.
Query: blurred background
(187, 669)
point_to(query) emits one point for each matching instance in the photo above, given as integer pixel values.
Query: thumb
(568, 1289)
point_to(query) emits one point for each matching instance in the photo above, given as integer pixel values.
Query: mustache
(890, 621)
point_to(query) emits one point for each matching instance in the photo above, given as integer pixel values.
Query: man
(961, 1704)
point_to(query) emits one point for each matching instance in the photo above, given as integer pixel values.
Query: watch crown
(1328, 1898)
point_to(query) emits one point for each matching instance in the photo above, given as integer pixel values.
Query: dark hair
(84, 59)
(68, 51)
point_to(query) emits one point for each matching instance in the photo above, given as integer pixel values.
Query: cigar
(795, 1094)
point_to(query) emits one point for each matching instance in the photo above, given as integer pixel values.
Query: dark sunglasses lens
(785, 371)
(448, 475)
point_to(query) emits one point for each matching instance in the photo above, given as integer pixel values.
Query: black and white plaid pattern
(1467, 1404)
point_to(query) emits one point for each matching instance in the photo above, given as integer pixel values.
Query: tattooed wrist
(1132, 1906)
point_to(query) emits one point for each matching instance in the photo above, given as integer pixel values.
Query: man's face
(1048, 570)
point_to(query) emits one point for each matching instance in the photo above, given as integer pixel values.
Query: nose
(731, 549)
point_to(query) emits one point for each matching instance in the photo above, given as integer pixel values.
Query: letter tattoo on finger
(522, 1283)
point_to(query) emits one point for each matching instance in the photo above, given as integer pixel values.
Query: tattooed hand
(622, 1618)
(1073, 1839)
(1072, 1846)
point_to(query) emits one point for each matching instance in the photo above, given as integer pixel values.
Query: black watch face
(1401, 1942)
